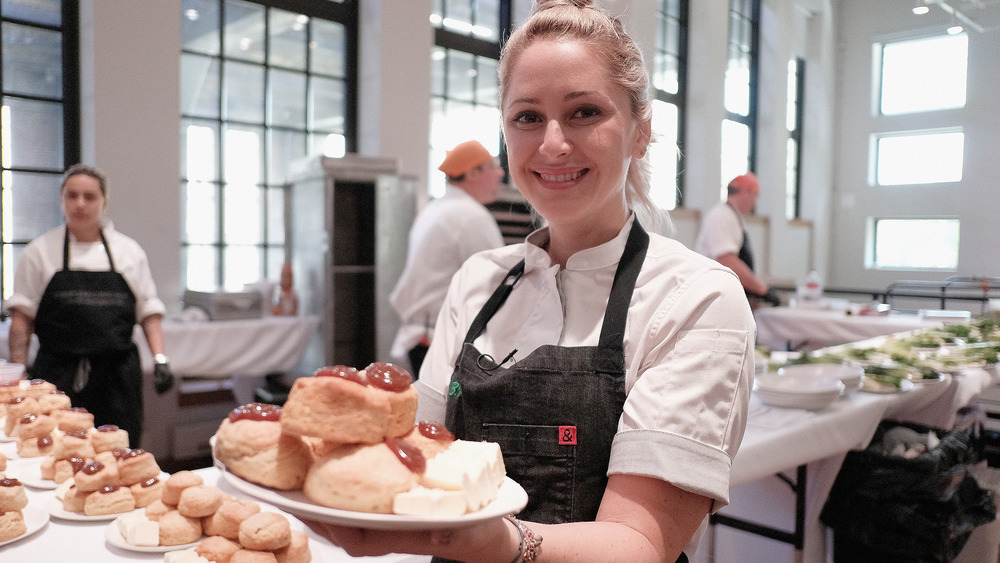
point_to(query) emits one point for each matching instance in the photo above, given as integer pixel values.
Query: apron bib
(84, 326)
(555, 413)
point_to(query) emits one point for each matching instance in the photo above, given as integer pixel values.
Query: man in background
(446, 233)
(723, 237)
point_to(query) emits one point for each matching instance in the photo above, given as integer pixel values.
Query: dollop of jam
(17, 400)
(119, 453)
(44, 441)
(108, 489)
(408, 454)
(77, 463)
(134, 453)
(57, 392)
(256, 411)
(149, 482)
(81, 434)
(92, 468)
(28, 418)
(435, 431)
(345, 372)
(388, 376)
(14, 383)
(9, 482)
(107, 428)
(78, 409)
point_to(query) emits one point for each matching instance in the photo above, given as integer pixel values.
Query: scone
(108, 437)
(12, 495)
(250, 556)
(73, 500)
(156, 509)
(53, 401)
(74, 443)
(74, 418)
(145, 492)
(16, 408)
(297, 551)
(198, 501)
(359, 477)
(259, 451)
(33, 425)
(65, 468)
(265, 531)
(38, 387)
(137, 465)
(217, 549)
(227, 519)
(337, 405)
(396, 384)
(177, 529)
(109, 500)
(35, 447)
(12, 525)
(95, 475)
(177, 483)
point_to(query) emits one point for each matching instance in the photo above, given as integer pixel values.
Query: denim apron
(84, 325)
(554, 413)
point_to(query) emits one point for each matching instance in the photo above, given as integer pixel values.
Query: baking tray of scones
(345, 448)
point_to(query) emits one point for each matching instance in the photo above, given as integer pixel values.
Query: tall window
(464, 89)
(39, 119)
(739, 126)
(263, 83)
(669, 81)
(925, 75)
(793, 122)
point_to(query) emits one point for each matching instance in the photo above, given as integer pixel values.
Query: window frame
(753, 50)
(678, 100)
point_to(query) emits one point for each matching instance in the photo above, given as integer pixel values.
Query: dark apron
(555, 413)
(84, 326)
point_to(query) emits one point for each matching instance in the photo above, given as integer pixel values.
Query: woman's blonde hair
(580, 20)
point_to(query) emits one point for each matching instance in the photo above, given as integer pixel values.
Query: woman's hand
(492, 540)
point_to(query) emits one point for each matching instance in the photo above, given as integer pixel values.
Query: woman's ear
(644, 133)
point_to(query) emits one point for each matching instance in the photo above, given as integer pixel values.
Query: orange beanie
(464, 157)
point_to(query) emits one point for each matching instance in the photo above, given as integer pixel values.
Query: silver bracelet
(529, 543)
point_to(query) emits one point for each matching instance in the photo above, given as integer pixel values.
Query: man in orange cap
(446, 233)
(723, 237)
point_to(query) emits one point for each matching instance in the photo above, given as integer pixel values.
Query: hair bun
(546, 4)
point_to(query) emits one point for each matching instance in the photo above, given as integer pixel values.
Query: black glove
(162, 378)
(772, 297)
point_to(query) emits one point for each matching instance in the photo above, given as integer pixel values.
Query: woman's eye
(526, 117)
(586, 112)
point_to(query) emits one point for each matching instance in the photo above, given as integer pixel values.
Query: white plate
(113, 535)
(28, 470)
(3, 435)
(808, 401)
(56, 510)
(850, 375)
(815, 384)
(511, 498)
(34, 518)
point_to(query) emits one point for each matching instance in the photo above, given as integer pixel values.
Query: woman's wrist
(529, 544)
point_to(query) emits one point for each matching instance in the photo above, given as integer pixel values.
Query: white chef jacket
(721, 232)
(43, 257)
(688, 348)
(445, 234)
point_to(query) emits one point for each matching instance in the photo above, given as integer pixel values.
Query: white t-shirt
(445, 234)
(721, 232)
(688, 348)
(43, 257)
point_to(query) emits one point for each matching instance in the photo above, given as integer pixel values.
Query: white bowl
(850, 375)
(10, 372)
(812, 393)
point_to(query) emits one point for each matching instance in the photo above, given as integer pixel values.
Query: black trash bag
(888, 508)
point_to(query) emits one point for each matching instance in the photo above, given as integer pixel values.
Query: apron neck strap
(104, 241)
(613, 329)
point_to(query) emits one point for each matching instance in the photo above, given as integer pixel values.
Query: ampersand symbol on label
(455, 390)
(567, 435)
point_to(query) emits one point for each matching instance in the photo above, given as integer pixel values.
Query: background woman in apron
(81, 289)
(613, 367)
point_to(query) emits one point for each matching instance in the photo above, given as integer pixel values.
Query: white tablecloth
(63, 540)
(222, 348)
(783, 328)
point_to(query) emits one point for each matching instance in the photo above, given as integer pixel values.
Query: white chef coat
(43, 257)
(688, 348)
(721, 232)
(444, 235)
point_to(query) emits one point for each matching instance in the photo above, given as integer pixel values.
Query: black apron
(84, 325)
(555, 413)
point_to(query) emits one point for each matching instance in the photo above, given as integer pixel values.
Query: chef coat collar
(600, 256)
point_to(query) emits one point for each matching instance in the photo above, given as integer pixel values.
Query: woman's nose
(554, 142)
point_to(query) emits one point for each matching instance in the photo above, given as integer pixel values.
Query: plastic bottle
(288, 300)
(812, 287)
